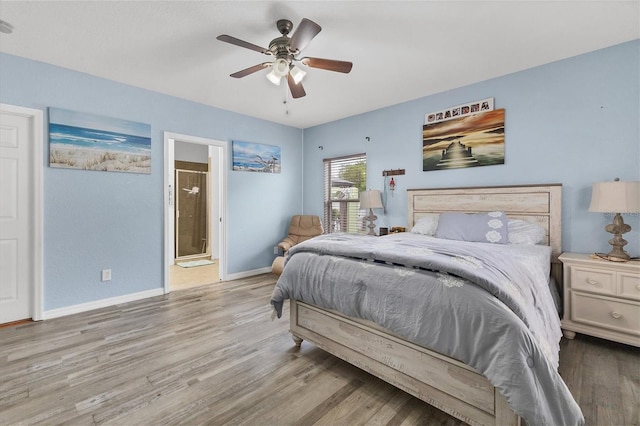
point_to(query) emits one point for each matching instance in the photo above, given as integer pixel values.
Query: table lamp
(616, 197)
(370, 199)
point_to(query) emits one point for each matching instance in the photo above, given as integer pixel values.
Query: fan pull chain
(285, 102)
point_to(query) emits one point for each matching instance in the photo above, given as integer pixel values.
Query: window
(344, 179)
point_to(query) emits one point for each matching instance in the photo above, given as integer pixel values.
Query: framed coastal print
(470, 141)
(91, 142)
(256, 157)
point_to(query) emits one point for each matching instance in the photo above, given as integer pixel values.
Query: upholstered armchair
(302, 228)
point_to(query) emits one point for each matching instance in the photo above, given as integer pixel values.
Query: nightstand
(601, 298)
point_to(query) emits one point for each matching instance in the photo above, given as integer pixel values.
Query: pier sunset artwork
(470, 141)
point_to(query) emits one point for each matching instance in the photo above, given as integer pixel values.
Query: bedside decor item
(91, 142)
(616, 197)
(370, 199)
(469, 141)
(256, 157)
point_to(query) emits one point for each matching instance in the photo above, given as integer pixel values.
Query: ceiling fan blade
(250, 70)
(297, 91)
(305, 32)
(242, 43)
(328, 64)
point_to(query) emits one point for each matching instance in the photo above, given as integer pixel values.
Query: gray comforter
(487, 305)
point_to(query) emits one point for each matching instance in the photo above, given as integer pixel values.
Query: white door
(17, 213)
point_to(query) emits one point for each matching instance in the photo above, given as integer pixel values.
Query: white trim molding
(251, 273)
(103, 303)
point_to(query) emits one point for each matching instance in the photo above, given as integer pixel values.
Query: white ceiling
(401, 50)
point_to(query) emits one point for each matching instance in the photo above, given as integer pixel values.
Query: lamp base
(371, 225)
(617, 228)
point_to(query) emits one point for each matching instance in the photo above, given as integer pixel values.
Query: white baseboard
(246, 274)
(103, 303)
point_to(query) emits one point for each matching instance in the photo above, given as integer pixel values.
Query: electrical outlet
(276, 250)
(106, 275)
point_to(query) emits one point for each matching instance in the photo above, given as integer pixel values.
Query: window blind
(344, 179)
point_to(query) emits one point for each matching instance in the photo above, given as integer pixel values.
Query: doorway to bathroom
(195, 197)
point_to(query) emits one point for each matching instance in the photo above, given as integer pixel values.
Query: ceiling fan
(286, 50)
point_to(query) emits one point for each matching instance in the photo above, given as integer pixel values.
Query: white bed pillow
(525, 233)
(426, 225)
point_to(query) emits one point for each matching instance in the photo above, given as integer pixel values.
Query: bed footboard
(443, 382)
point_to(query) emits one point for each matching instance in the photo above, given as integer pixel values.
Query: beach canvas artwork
(91, 142)
(255, 157)
(470, 141)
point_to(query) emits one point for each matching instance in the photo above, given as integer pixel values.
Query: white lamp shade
(615, 197)
(298, 74)
(370, 199)
(274, 78)
(280, 67)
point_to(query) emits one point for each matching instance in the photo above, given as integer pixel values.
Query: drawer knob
(638, 287)
(616, 315)
(591, 281)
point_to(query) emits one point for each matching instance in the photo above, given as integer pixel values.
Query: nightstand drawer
(629, 285)
(605, 312)
(593, 280)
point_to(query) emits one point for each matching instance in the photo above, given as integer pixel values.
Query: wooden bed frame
(443, 382)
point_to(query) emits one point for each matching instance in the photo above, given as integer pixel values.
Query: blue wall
(99, 220)
(573, 122)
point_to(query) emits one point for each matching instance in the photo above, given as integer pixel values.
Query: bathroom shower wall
(191, 212)
(191, 209)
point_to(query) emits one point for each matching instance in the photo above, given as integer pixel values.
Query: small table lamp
(370, 199)
(616, 197)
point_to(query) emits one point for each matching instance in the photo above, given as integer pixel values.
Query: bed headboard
(539, 204)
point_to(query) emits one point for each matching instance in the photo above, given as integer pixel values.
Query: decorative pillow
(525, 233)
(477, 227)
(426, 225)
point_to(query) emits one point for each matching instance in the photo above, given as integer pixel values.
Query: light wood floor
(210, 355)
(183, 278)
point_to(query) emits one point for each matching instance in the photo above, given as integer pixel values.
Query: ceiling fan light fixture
(297, 73)
(274, 78)
(284, 50)
(281, 67)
